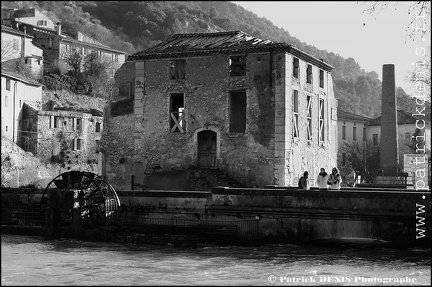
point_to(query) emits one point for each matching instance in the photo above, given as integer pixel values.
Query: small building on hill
(47, 33)
(69, 138)
(260, 111)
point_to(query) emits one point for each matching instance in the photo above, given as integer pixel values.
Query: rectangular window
(321, 78)
(97, 146)
(8, 84)
(6, 101)
(309, 118)
(354, 133)
(79, 143)
(309, 74)
(343, 158)
(344, 132)
(237, 111)
(178, 69)
(177, 121)
(295, 114)
(124, 90)
(364, 133)
(56, 122)
(296, 68)
(237, 65)
(98, 127)
(375, 139)
(20, 103)
(79, 124)
(321, 121)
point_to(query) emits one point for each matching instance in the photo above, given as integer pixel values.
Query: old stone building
(260, 111)
(69, 138)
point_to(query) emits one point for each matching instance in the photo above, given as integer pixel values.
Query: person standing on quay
(304, 182)
(334, 179)
(323, 177)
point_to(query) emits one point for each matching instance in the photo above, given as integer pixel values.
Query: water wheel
(98, 200)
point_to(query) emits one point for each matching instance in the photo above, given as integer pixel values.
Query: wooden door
(207, 149)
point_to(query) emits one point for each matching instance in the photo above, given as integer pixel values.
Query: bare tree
(96, 70)
(7, 50)
(420, 10)
(74, 60)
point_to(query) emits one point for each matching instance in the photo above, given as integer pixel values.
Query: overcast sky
(338, 27)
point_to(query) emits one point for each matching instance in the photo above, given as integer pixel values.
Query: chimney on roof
(58, 28)
(389, 157)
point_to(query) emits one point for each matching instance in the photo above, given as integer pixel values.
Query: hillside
(133, 26)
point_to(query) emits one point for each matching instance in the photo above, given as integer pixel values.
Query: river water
(27, 260)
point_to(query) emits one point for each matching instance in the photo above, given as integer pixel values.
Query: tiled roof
(206, 44)
(101, 47)
(5, 28)
(403, 118)
(342, 115)
(15, 75)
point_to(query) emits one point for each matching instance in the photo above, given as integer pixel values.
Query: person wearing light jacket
(322, 179)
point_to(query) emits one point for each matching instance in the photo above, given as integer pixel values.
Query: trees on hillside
(88, 74)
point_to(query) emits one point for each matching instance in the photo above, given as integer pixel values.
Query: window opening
(177, 122)
(237, 111)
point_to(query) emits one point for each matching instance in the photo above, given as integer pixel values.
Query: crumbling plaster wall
(296, 155)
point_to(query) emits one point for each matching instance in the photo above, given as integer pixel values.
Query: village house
(46, 32)
(406, 127)
(70, 138)
(351, 127)
(260, 111)
(17, 90)
(18, 49)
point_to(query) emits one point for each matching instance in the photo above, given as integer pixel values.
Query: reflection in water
(34, 261)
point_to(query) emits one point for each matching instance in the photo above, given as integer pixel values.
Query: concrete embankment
(243, 215)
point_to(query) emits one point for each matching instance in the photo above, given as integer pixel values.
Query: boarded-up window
(237, 110)
(295, 114)
(238, 65)
(178, 69)
(177, 122)
(321, 120)
(296, 68)
(309, 118)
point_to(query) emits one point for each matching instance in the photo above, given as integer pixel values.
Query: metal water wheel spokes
(97, 199)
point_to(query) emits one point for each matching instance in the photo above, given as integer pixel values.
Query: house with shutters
(46, 32)
(260, 111)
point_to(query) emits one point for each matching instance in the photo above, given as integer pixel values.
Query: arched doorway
(207, 149)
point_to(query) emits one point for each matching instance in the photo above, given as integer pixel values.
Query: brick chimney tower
(389, 158)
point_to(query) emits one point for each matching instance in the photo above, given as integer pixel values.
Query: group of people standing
(324, 179)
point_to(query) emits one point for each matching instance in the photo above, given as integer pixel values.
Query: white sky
(338, 27)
